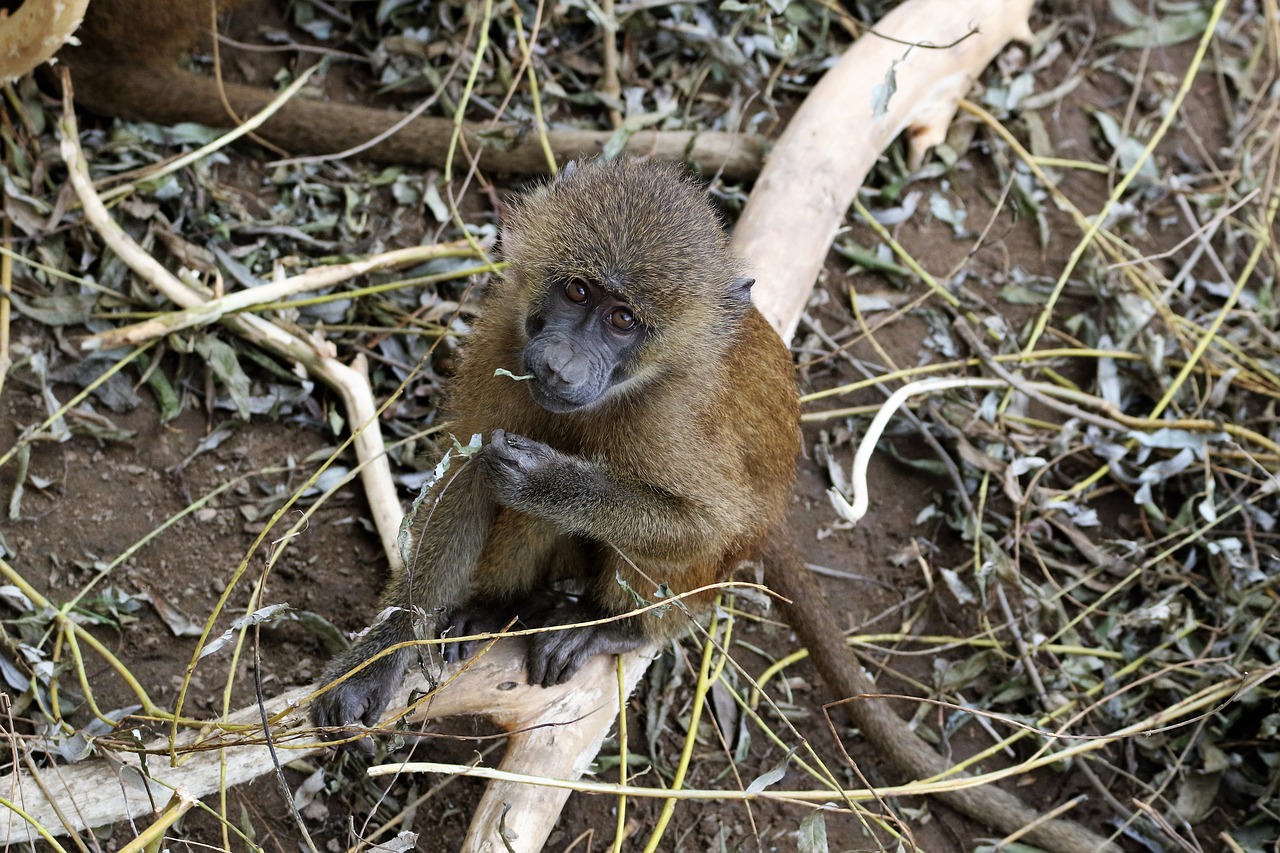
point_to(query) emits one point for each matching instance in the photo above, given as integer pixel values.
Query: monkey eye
(622, 319)
(577, 291)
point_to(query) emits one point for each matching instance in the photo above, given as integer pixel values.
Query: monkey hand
(363, 697)
(556, 656)
(469, 621)
(518, 467)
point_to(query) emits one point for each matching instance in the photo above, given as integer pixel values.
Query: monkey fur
(652, 448)
(888, 734)
(650, 452)
(722, 427)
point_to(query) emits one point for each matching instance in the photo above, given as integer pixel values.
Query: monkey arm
(448, 531)
(581, 497)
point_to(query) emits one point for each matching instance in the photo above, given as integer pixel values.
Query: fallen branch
(803, 194)
(888, 82)
(213, 310)
(138, 92)
(555, 732)
(33, 32)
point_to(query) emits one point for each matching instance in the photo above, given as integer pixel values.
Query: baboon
(649, 449)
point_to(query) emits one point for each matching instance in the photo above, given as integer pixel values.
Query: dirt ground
(104, 498)
(89, 500)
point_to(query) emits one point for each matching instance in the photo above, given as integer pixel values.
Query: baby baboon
(651, 449)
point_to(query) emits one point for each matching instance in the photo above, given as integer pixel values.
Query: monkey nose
(567, 367)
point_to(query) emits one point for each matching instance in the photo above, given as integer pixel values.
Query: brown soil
(103, 498)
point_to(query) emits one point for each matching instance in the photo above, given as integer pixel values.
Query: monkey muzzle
(566, 378)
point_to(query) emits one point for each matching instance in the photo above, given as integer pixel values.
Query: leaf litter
(1120, 571)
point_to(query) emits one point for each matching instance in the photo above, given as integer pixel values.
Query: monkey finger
(462, 650)
(573, 657)
(471, 621)
(337, 714)
(541, 650)
(502, 461)
(510, 443)
(522, 452)
(533, 666)
(510, 439)
(551, 661)
(331, 718)
(454, 653)
(557, 668)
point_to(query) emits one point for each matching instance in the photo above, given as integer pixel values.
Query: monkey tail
(889, 735)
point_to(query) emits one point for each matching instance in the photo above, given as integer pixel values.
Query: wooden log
(309, 126)
(557, 733)
(804, 191)
(33, 33)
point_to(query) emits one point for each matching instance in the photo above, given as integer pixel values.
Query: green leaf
(404, 538)
(222, 360)
(1127, 148)
(1157, 31)
(333, 638)
(19, 482)
(1017, 294)
(67, 310)
(773, 775)
(883, 93)
(166, 397)
(268, 614)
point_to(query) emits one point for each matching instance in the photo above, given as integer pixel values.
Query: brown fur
(715, 425)
(152, 33)
(691, 460)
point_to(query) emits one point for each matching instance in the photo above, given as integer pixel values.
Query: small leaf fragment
(773, 775)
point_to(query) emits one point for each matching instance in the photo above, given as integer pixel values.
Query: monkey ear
(741, 288)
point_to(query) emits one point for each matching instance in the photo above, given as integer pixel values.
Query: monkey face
(580, 345)
(619, 275)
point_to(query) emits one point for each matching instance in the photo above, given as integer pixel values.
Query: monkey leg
(364, 695)
(617, 587)
(512, 583)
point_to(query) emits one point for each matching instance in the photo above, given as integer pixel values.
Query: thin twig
(384, 504)
(213, 310)
(610, 85)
